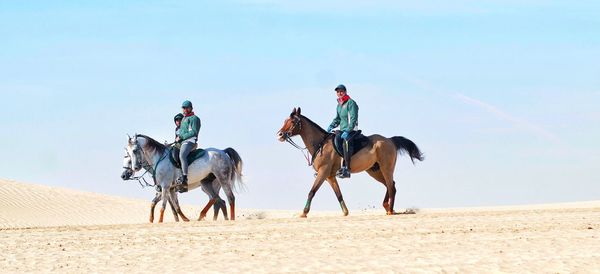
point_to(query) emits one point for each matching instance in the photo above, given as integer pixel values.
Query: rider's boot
(344, 172)
(182, 185)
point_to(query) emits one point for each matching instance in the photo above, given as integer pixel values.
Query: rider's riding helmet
(342, 87)
(186, 104)
(177, 117)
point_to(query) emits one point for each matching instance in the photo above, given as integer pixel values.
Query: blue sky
(502, 96)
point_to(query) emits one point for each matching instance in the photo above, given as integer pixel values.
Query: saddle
(357, 142)
(193, 156)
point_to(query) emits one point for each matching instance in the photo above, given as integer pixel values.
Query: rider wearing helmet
(347, 119)
(177, 119)
(188, 138)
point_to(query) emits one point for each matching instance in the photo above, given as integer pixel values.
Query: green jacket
(190, 127)
(347, 116)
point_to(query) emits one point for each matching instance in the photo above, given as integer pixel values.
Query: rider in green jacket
(347, 119)
(188, 137)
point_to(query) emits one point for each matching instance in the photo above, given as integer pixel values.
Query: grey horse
(211, 188)
(216, 169)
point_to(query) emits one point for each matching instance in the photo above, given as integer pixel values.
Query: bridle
(304, 150)
(140, 179)
(145, 165)
(287, 134)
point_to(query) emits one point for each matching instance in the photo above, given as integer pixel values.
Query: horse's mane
(153, 144)
(315, 125)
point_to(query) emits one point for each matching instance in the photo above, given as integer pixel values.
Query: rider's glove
(346, 135)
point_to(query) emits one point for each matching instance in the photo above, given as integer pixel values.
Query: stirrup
(343, 173)
(182, 185)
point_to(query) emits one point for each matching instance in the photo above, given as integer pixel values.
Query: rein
(146, 166)
(304, 150)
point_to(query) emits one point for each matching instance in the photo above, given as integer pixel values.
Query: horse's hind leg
(388, 175)
(156, 199)
(231, 199)
(177, 209)
(205, 209)
(220, 205)
(377, 175)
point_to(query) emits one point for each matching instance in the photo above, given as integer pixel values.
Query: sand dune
(30, 205)
(88, 238)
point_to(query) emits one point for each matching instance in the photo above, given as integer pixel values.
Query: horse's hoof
(186, 220)
(391, 213)
(302, 215)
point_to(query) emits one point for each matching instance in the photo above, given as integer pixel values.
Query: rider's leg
(338, 141)
(344, 172)
(186, 148)
(347, 158)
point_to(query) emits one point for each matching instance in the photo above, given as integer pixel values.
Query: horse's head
(291, 126)
(128, 172)
(135, 153)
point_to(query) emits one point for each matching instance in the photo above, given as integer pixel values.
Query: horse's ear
(293, 112)
(298, 111)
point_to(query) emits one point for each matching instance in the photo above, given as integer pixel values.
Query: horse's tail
(238, 164)
(408, 146)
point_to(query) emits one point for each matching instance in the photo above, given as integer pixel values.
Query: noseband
(310, 159)
(287, 134)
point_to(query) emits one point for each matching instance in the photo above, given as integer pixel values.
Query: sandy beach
(42, 231)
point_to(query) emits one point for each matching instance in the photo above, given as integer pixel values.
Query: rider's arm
(336, 120)
(353, 113)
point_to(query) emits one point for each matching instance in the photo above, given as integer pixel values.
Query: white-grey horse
(216, 168)
(210, 187)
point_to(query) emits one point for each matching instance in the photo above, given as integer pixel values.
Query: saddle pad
(193, 156)
(357, 142)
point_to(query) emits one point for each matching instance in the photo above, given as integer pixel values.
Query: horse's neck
(150, 155)
(311, 136)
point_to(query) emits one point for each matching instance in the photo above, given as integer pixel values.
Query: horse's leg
(392, 194)
(220, 205)
(205, 209)
(172, 206)
(231, 199)
(388, 175)
(165, 194)
(336, 188)
(175, 199)
(379, 177)
(156, 199)
(208, 189)
(311, 194)
(224, 179)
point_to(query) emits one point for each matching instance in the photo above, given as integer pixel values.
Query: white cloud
(517, 122)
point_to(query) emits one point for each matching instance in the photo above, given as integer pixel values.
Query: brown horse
(378, 158)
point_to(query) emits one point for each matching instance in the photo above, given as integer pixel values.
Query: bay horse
(378, 158)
